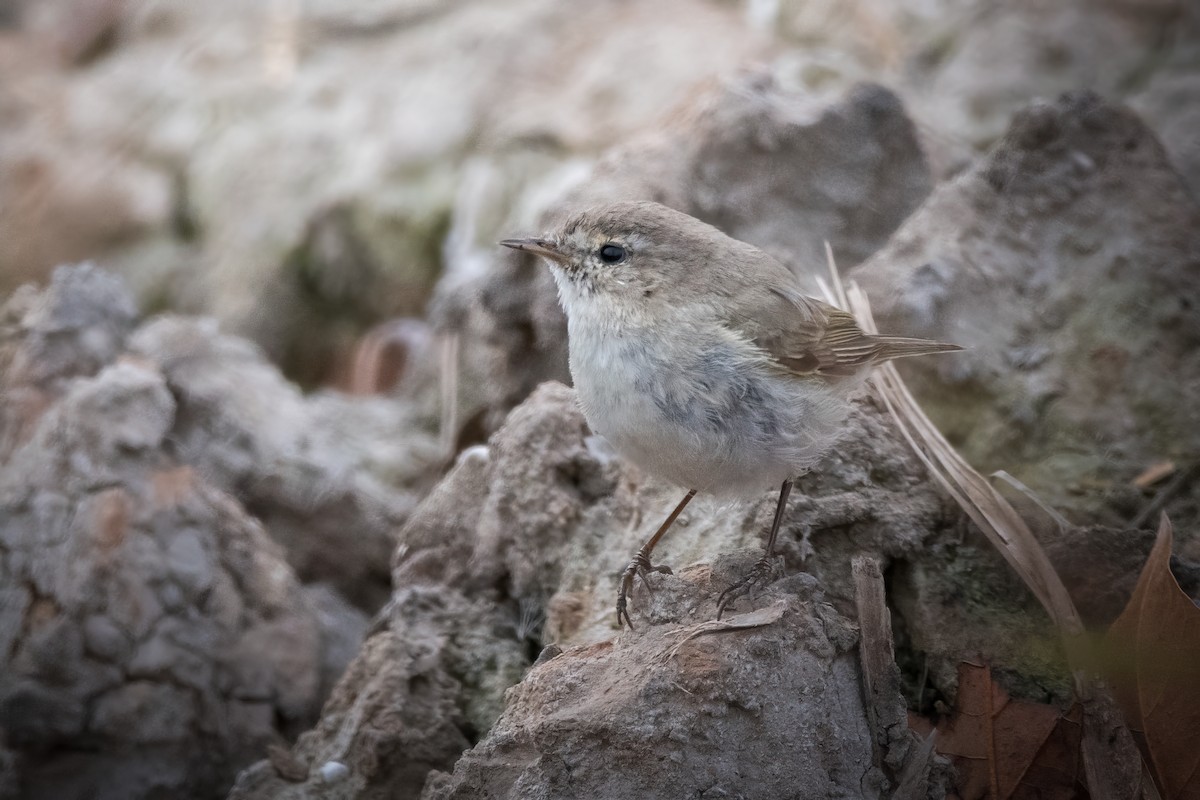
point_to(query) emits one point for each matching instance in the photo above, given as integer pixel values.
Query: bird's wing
(802, 335)
(807, 337)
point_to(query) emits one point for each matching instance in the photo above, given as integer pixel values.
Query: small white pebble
(478, 453)
(333, 771)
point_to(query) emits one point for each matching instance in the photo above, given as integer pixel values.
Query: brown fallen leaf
(1152, 657)
(996, 741)
(1057, 769)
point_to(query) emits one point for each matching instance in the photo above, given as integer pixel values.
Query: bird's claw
(760, 574)
(641, 567)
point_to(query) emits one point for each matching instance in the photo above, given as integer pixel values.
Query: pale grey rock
(1169, 100)
(343, 629)
(357, 163)
(76, 327)
(1065, 263)
(144, 712)
(988, 60)
(105, 639)
(48, 338)
(661, 715)
(389, 721)
(334, 771)
(331, 477)
(365, 130)
(100, 653)
(153, 639)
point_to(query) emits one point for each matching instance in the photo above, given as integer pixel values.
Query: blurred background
(306, 169)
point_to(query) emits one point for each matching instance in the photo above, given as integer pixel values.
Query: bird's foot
(760, 574)
(641, 567)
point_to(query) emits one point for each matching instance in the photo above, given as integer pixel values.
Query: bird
(701, 360)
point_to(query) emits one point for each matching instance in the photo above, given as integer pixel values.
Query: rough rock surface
(975, 70)
(1170, 100)
(153, 638)
(1068, 262)
(772, 710)
(771, 166)
(49, 338)
(537, 526)
(331, 477)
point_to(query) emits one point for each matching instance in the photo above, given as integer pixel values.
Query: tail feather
(903, 347)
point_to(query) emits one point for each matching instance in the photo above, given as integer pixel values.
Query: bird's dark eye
(612, 253)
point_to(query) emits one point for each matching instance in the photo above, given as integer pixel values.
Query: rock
(788, 172)
(969, 72)
(10, 782)
(126, 563)
(390, 719)
(522, 543)
(47, 339)
(154, 639)
(343, 628)
(1168, 103)
(331, 477)
(64, 202)
(142, 609)
(71, 330)
(774, 167)
(686, 711)
(333, 771)
(1065, 263)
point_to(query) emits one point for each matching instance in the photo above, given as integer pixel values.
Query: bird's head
(625, 254)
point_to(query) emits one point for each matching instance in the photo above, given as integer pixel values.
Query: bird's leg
(762, 568)
(640, 565)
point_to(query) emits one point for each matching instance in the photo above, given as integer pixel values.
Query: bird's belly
(712, 418)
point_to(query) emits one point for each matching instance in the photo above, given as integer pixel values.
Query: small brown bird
(698, 357)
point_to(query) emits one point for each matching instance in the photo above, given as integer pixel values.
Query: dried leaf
(1059, 520)
(993, 739)
(1057, 769)
(1152, 657)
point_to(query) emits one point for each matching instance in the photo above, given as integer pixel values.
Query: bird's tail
(903, 347)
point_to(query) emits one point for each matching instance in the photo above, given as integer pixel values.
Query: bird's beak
(540, 247)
